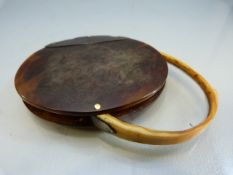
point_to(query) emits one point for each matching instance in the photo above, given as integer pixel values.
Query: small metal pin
(97, 106)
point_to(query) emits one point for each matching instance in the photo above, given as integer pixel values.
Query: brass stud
(97, 106)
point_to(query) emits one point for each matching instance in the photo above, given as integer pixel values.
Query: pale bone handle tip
(149, 136)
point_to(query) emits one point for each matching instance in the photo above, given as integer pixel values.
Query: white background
(199, 32)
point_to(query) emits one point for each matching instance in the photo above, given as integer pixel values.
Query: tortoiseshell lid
(91, 75)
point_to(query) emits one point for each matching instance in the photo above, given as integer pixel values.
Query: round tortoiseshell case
(69, 81)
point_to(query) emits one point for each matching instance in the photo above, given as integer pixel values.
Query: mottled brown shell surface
(91, 75)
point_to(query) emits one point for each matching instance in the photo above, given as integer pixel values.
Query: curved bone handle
(149, 136)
